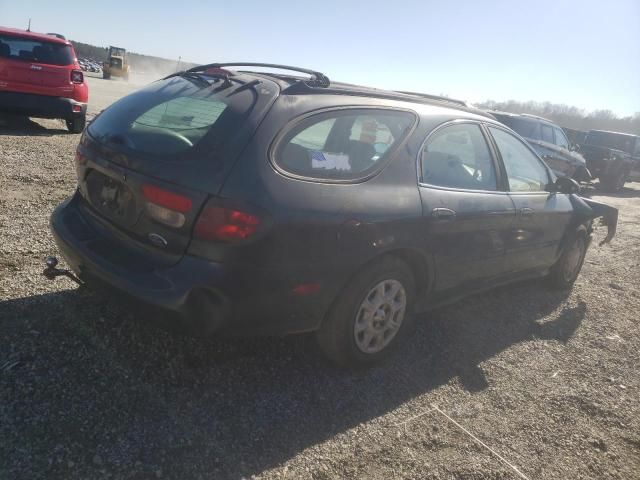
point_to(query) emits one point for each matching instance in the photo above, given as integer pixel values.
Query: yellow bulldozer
(117, 64)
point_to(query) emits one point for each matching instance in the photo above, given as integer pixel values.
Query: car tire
(76, 124)
(614, 182)
(566, 270)
(106, 76)
(371, 316)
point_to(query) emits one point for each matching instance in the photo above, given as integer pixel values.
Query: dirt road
(550, 382)
(103, 93)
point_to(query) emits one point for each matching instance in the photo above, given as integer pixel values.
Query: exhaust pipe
(51, 271)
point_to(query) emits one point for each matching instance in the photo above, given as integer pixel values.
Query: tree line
(570, 117)
(564, 115)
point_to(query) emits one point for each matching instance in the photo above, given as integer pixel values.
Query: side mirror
(565, 185)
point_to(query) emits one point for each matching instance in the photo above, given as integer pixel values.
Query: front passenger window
(457, 156)
(525, 170)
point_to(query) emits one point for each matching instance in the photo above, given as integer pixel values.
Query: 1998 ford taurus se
(272, 203)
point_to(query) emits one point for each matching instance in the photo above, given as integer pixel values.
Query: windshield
(615, 141)
(28, 50)
(177, 116)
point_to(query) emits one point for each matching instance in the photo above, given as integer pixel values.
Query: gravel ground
(548, 382)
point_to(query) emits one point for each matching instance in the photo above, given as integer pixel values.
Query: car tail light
(167, 199)
(225, 224)
(80, 159)
(304, 289)
(166, 207)
(77, 76)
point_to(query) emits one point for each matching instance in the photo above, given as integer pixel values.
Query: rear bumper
(204, 297)
(40, 106)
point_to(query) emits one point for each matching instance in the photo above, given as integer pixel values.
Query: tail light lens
(167, 199)
(222, 224)
(166, 207)
(80, 159)
(77, 76)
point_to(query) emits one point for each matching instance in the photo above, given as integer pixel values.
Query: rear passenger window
(457, 156)
(342, 145)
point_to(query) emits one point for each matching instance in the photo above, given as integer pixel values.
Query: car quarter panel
(324, 232)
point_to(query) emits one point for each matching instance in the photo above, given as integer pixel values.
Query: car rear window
(342, 145)
(175, 118)
(35, 51)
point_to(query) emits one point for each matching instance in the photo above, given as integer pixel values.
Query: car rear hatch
(148, 163)
(35, 66)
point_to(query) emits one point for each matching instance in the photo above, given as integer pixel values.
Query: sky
(584, 53)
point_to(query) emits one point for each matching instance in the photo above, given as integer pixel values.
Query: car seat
(296, 158)
(446, 170)
(360, 155)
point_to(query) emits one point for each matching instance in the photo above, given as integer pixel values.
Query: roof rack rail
(433, 97)
(318, 79)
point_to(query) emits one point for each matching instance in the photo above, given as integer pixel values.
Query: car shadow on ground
(16, 125)
(92, 379)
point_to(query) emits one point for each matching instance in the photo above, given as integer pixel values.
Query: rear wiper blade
(245, 86)
(202, 80)
(199, 80)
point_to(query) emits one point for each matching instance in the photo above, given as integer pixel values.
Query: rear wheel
(76, 124)
(371, 315)
(106, 75)
(565, 272)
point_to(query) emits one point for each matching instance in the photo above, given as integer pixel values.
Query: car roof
(293, 84)
(319, 84)
(615, 133)
(521, 115)
(33, 35)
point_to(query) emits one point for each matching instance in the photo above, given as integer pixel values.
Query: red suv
(40, 77)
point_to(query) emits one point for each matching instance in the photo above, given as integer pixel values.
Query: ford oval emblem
(157, 240)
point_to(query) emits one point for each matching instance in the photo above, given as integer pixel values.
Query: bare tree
(570, 116)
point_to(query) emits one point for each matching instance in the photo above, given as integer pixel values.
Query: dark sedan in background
(550, 142)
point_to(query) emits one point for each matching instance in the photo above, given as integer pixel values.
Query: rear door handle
(443, 214)
(526, 212)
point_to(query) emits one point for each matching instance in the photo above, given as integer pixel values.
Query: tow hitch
(51, 272)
